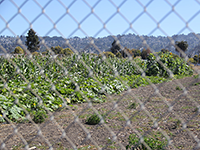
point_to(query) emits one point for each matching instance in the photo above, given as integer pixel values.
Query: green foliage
(153, 142)
(60, 50)
(136, 52)
(107, 54)
(103, 81)
(133, 106)
(12, 111)
(178, 88)
(32, 41)
(196, 59)
(66, 52)
(57, 49)
(177, 65)
(93, 119)
(18, 50)
(39, 116)
(126, 53)
(119, 55)
(195, 84)
(35, 53)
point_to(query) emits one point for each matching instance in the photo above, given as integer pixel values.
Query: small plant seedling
(196, 76)
(93, 120)
(196, 83)
(196, 109)
(133, 106)
(176, 125)
(178, 88)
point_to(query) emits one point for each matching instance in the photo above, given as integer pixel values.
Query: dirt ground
(173, 109)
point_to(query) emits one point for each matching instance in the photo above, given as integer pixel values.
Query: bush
(119, 55)
(18, 50)
(107, 54)
(93, 120)
(196, 59)
(35, 54)
(191, 60)
(66, 51)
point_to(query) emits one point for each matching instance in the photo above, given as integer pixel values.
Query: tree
(57, 49)
(107, 54)
(66, 51)
(181, 46)
(32, 41)
(18, 50)
(115, 47)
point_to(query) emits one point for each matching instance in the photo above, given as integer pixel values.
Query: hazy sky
(94, 15)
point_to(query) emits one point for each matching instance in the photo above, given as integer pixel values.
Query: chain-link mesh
(166, 112)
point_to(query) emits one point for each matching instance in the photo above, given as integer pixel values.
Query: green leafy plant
(153, 143)
(195, 84)
(93, 84)
(12, 111)
(177, 65)
(39, 116)
(93, 119)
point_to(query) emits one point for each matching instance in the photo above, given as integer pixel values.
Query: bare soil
(172, 105)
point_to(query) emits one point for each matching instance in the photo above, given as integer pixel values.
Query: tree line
(33, 45)
(119, 51)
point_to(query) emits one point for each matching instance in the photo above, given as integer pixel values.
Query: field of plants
(44, 83)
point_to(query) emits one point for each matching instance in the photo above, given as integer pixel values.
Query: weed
(132, 106)
(176, 125)
(178, 88)
(196, 109)
(186, 107)
(153, 143)
(17, 147)
(196, 76)
(196, 83)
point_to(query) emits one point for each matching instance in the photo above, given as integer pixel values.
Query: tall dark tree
(115, 47)
(32, 41)
(183, 45)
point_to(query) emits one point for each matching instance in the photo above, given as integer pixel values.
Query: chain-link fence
(42, 95)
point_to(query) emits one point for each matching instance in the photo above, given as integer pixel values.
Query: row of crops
(35, 85)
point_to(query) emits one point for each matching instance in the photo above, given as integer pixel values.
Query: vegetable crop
(49, 83)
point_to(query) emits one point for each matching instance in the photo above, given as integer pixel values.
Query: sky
(99, 18)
